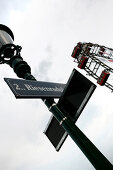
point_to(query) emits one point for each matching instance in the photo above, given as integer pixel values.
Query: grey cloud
(42, 70)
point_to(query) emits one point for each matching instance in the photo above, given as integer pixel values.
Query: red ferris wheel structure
(93, 58)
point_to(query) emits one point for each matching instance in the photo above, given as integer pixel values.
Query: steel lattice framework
(93, 58)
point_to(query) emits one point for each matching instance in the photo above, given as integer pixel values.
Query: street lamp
(10, 54)
(6, 35)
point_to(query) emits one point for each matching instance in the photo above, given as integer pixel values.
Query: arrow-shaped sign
(34, 89)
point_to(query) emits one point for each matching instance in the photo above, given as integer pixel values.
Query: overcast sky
(48, 30)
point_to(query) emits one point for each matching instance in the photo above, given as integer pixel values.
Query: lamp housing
(6, 35)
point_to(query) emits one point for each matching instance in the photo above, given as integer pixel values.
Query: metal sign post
(97, 159)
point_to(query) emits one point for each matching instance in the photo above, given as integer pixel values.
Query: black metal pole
(97, 159)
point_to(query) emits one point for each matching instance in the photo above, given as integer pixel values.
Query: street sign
(76, 94)
(34, 89)
(55, 133)
(74, 98)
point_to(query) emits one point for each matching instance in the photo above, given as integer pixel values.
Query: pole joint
(54, 104)
(61, 122)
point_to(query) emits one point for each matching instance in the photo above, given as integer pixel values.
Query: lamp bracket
(8, 51)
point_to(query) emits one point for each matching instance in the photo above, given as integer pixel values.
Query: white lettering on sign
(34, 89)
(30, 87)
(17, 87)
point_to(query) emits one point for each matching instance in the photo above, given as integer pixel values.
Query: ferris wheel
(96, 60)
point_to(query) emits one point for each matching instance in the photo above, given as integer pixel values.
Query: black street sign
(55, 133)
(34, 89)
(76, 94)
